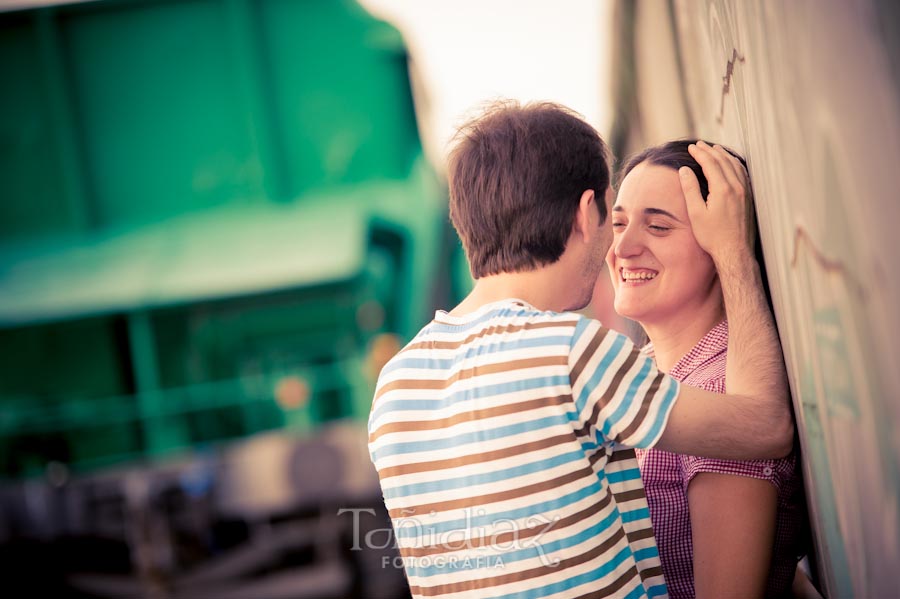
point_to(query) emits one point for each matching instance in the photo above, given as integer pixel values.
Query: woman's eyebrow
(661, 212)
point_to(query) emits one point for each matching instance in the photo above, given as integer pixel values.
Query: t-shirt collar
(444, 317)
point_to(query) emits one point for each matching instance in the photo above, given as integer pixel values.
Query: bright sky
(467, 52)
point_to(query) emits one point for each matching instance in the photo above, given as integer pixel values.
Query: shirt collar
(444, 317)
(714, 343)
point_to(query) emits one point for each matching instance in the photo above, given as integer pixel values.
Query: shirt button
(767, 471)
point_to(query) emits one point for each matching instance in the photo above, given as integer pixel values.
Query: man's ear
(587, 217)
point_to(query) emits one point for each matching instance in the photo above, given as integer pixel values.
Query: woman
(723, 528)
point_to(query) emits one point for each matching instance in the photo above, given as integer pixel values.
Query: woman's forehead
(651, 186)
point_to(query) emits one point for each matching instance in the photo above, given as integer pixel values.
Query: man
(501, 432)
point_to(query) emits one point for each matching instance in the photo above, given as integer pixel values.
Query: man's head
(518, 175)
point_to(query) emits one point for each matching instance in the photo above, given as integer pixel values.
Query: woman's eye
(659, 228)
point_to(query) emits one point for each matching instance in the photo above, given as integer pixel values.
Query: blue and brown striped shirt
(500, 440)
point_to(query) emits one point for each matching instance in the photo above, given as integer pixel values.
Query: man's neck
(546, 288)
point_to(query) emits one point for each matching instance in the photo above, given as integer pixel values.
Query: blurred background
(219, 218)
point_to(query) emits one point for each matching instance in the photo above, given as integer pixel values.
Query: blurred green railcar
(215, 219)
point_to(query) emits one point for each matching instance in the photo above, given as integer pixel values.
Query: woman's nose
(627, 243)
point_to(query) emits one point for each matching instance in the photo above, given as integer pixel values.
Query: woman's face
(659, 272)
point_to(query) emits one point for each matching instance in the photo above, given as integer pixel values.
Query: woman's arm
(733, 530)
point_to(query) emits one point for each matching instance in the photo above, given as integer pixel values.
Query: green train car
(216, 223)
(214, 214)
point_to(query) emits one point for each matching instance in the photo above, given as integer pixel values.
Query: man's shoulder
(445, 339)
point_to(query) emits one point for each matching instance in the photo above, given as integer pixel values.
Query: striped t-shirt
(498, 439)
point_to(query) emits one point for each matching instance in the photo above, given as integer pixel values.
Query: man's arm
(754, 420)
(729, 427)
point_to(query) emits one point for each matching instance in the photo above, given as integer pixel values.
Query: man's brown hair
(516, 175)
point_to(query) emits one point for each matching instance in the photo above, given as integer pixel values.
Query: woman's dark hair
(674, 154)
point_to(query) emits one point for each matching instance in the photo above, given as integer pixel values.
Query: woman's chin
(630, 312)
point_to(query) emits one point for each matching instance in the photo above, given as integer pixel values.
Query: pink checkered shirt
(667, 476)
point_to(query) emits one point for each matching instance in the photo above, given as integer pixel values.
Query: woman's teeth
(638, 276)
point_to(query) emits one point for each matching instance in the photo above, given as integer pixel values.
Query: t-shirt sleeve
(618, 392)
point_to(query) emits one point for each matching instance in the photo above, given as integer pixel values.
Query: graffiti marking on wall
(726, 81)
